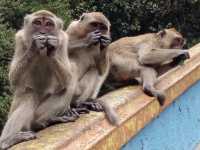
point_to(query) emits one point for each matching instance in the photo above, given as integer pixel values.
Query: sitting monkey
(88, 40)
(140, 56)
(41, 79)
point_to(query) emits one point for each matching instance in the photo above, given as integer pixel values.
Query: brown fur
(42, 85)
(133, 57)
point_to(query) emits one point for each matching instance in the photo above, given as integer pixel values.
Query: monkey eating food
(41, 78)
(88, 40)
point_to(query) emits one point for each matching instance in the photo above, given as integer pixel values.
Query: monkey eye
(178, 41)
(37, 22)
(49, 24)
(103, 27)
(94, 24)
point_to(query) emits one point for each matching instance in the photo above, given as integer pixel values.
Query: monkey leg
(159, 56)
(149, 76)
(52, 111)
(17, 138)
(18, 127)
(86, 85)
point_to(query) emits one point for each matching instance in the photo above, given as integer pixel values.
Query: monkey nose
(41, 32)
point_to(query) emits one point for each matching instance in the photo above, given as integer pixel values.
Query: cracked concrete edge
(136, 110)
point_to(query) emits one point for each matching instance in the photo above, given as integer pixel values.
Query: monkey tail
(110, 112)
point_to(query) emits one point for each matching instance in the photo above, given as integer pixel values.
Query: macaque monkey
(140, 56)
(88, 39)
(41, 78)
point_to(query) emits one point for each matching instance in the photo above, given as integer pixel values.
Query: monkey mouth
(176, 46)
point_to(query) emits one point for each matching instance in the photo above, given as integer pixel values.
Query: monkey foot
(72, 113)
(158, 94)
(91, 104)
(62, 119)
(161, 99)
(180, 59)
(82, 110)
(17, 138)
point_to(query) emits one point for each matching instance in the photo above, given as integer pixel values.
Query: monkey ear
(82, 17)
(60, 23)
(26, 19)
(161, 33)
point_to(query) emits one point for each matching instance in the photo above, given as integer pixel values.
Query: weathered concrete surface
(177, 128)
(136, 109)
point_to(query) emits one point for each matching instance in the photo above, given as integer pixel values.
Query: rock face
(92, 131)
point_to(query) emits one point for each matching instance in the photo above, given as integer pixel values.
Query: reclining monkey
(139, 56)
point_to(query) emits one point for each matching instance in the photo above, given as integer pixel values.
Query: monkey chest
(83, 62)
(41, 78)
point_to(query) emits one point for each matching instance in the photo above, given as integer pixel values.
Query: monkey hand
(180, 59)
(93, 38)
(52, 45)
(104, 41)
(90, 104)
(39, 42)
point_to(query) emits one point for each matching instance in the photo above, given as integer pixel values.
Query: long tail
(110, 113)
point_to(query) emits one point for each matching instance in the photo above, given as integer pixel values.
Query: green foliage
(6, 51)
(13, 12)
(132, 17)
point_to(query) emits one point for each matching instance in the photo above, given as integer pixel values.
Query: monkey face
(95, 21)
(171, 38)
(98, 26)
(43, 25)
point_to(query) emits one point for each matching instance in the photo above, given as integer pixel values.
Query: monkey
(141, 57)
(88, 40)
(41, 79)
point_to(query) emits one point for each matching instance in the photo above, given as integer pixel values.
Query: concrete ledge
(92, 131)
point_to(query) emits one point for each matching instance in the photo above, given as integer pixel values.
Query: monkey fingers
(153, 92)
(93, 105)
(82, 110)
(105, 41)
(72, 113)
(39, 41)
(52, 45)
(93, 37)
(180, 59)
(52, 40)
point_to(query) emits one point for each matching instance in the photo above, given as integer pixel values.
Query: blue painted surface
(177, 128)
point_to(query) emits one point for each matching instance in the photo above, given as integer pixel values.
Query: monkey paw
(104, 41)
(157, 93)
(17, 138)
(93, 37)
(93, 105)
(39, 42)
(52, 44)
(161, 98)
(72, 113)
(180, 59)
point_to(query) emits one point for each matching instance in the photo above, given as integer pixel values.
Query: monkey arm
(92, 38)
(62, 70)
(158, 56)
(21, 61)
(77, 44)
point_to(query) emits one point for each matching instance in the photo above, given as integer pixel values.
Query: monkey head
(95, 21)
(42, 29)
(171, 38)
(42, 22)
